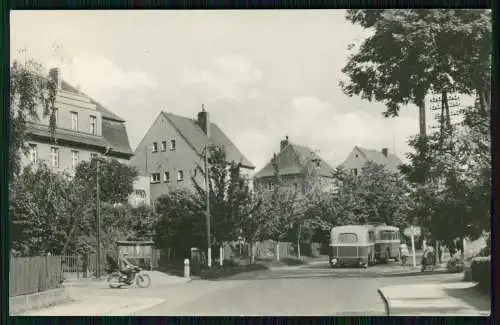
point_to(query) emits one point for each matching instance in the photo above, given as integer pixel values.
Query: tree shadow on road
(471, 296)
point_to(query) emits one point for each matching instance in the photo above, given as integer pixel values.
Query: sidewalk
(444, 299)
(99, 306)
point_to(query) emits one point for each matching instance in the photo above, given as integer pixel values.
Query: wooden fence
(34, 274)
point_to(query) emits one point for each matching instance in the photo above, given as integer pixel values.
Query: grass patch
(217, 272)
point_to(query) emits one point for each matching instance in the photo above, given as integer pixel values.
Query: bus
(352, 245)
(387, 241)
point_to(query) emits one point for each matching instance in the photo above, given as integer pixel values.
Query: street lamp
(207, 212)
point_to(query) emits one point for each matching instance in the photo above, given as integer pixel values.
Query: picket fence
(34, 274)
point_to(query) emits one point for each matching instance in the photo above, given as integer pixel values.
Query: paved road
(332, 296)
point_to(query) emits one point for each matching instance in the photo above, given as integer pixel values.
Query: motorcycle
(118, 279)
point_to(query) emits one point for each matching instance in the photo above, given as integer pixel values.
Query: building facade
(360, 156)
(293, 163)
(172, 151)
(84, 129)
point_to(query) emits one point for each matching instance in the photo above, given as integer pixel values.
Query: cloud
(229, 77)
(321, 125)
(103, 79)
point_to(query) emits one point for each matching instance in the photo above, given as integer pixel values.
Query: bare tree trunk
(253, 252)
(221, 254)
(277, 250)
(298, 241)
(422, 122)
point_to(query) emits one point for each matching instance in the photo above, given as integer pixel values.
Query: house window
(155, 147)
(75, 156)
(93, 156)
(166, 177)
(93, 125)
(155, 178)
(180, 175)
(140, 193)
(355, 171)
(33, 152)
(270, 186)
(55, 157)
(164, 146)
(172, 144)
(74, 121)
(195, 172)
(317, 163)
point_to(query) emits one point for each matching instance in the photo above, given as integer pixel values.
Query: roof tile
(291, 161)
(193, 134)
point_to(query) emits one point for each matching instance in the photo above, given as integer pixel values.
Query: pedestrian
(404, 253)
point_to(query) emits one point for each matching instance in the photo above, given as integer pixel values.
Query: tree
(42, 210)
(452, 180)
(31, 96)
(414, 51)
(375, 196)
(116, 179)
(180, 224)
(229, 197)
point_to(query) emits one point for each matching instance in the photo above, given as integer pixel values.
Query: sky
(261, 74)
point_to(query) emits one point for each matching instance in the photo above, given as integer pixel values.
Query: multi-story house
(360, 156)
(84, 129)
(173, 148)
(293, 163)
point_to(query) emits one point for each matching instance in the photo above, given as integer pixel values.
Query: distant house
(84, 129)
(292, 160)
(360, 156)
(174, 146)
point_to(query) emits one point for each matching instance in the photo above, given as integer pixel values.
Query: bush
(455, 264)
(481, 272)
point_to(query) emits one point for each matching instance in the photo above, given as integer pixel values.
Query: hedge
(226, 271)
(481, 272)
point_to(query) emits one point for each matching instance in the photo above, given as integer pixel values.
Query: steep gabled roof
(292, 160)
(391, 162)
(114, 130)
(194, 135)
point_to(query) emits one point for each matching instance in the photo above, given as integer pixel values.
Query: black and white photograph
(250, 162)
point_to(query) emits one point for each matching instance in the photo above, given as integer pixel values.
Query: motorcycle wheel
(114, 281)
(143, 280)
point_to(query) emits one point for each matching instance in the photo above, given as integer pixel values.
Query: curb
(386, 302)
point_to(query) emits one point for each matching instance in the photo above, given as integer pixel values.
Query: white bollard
(186, 268)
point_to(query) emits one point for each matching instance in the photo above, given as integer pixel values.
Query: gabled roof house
(291, 161)
(360, 156)
(174, 146)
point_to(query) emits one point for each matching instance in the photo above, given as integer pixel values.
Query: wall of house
(355, 160)
(66, 103)
(142, 183)
(183, 158)
(65, 161)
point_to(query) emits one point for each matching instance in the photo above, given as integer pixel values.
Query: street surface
(306, 290)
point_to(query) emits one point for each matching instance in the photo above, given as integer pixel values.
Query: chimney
(385, 151)
(203, 121)
(284, 143)
(55, 73)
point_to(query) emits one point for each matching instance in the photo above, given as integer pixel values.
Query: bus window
(348, 238)
(388, 235)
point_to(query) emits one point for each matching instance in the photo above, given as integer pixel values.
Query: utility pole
(98, 213)
(207, 198)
